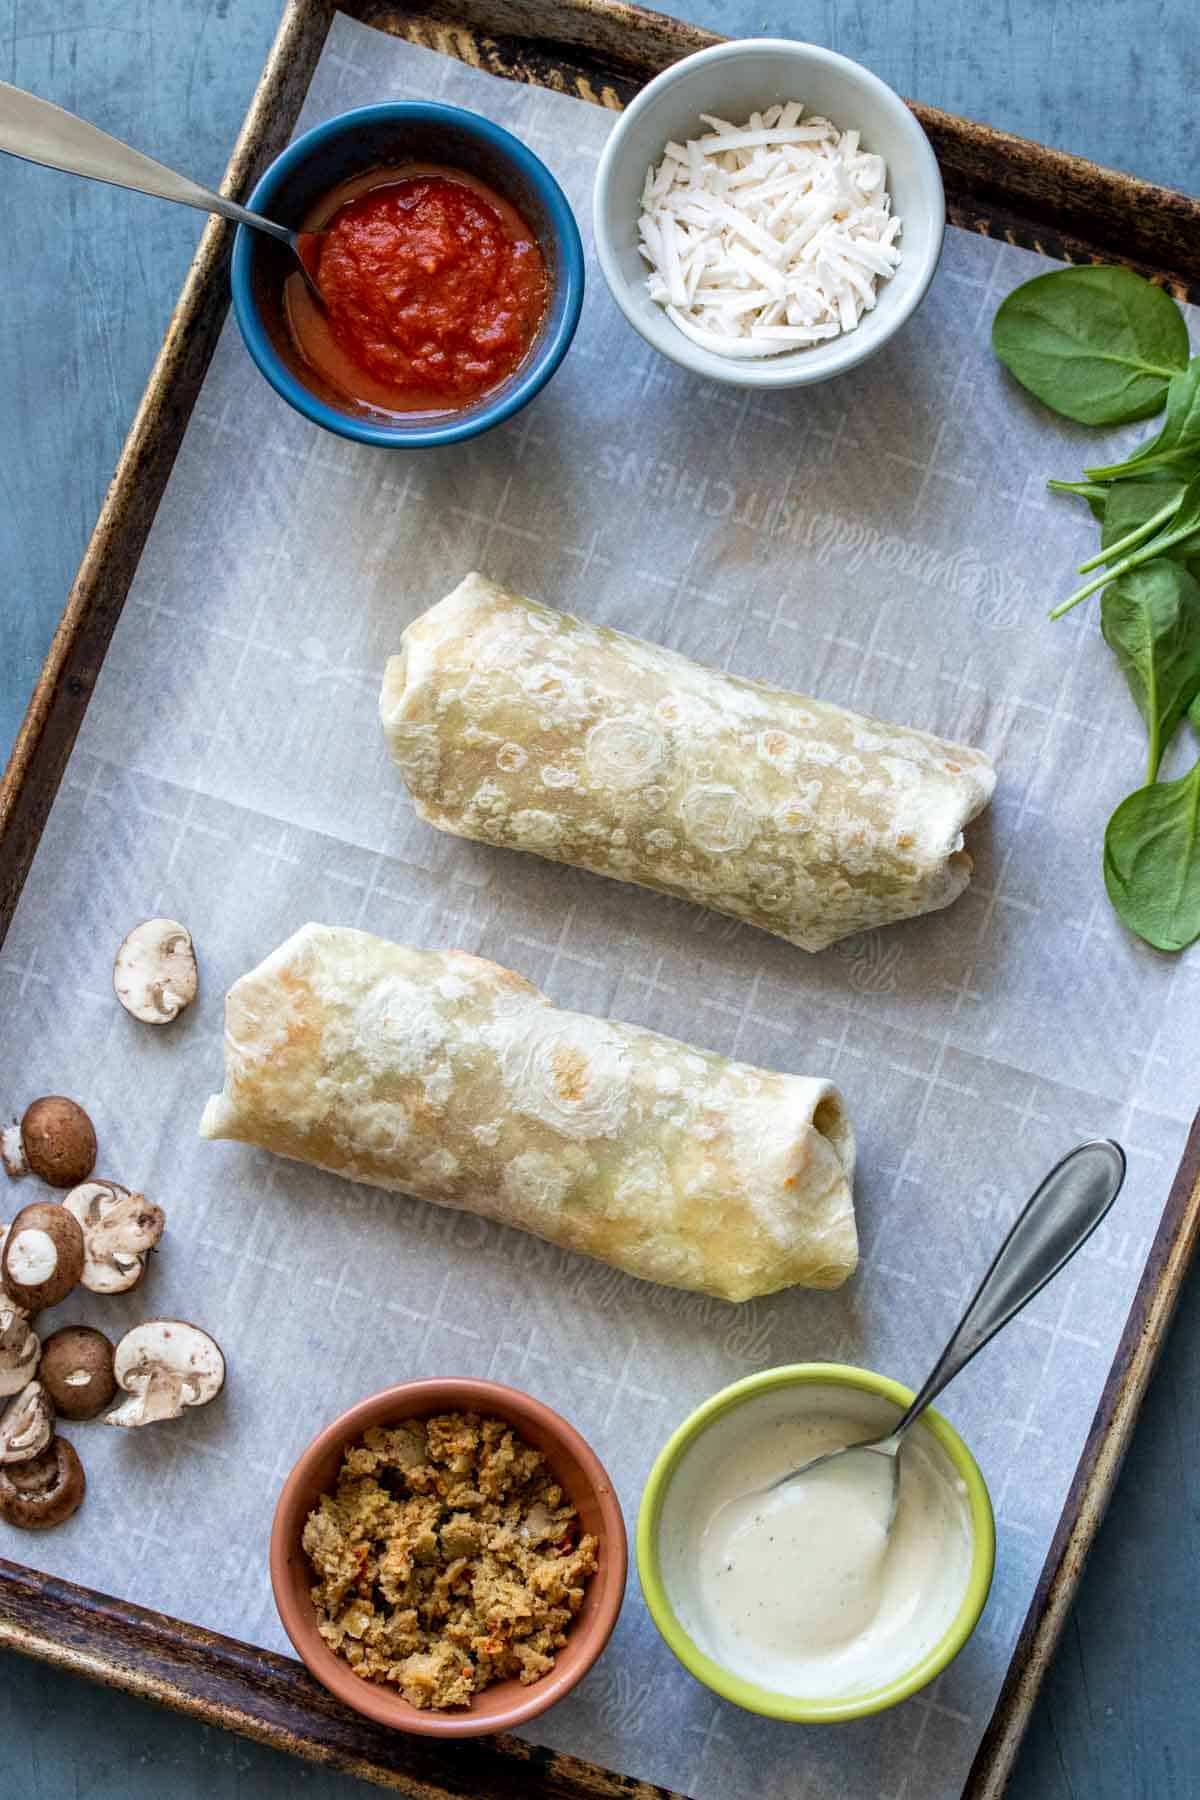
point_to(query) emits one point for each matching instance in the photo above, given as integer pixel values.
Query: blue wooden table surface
(87, 279)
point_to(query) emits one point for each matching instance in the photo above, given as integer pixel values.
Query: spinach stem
(1064, 606)
(1146, 554)
(1086, 490)
(1154, 749)
(1134, 362)
(1136, 536)
(1153, 758)
(1135, 465)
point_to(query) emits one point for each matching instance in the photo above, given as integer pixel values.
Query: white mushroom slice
(155, 971)
(119, 1229)
(20, 1350)
(27, 1425)
(164, 1366)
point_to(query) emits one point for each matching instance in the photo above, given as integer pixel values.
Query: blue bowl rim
(548, 354)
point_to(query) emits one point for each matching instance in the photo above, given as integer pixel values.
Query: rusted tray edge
(1095, 1476)
(60, 699)
(273, 1700)
(996, 184)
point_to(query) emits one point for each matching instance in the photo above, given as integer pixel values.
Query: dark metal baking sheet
(603, 50)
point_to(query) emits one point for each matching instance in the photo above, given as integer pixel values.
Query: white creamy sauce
(804, 1590)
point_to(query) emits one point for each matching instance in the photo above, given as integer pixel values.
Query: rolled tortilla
(521, 726)
(434, 1073)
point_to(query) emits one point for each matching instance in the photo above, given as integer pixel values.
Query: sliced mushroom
(26, 1424)
(165, 1365)
(119, 1229)
(77, 1371)
(20, 1350)
(55, 1139)
(42, 1258)
(155, 971)
(46, 1490)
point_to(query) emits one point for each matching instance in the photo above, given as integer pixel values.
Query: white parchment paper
(884, 541)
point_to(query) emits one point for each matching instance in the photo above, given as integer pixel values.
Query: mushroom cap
(77, 1371)
(165, 1365)
(20, 1350)
(26, 1424)
(119, 1229)
(155, 972)
(46, 1490)
(59, 1140)
(42, 1258)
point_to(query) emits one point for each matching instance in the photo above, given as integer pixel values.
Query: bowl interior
(505, 1704)
(683, 1472)
(380, 137)
(731, 82)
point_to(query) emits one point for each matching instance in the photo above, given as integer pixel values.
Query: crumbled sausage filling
(447, 1558)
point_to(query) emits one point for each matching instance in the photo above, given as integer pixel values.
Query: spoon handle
(1061, 1216)
(43, 133)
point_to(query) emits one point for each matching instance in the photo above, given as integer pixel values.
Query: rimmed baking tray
(998, 185)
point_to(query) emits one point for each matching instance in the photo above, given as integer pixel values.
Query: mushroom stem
(12, 1151)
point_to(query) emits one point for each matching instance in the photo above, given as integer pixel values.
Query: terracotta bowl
(507, 1704)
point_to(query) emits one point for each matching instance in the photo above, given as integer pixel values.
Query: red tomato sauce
(434, 289)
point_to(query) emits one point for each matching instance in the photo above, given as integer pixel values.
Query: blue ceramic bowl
(377, 136)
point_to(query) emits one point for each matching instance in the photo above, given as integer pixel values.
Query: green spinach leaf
(1178, 538)
(1152, 861)
(1131, 503)
(1177, 445)
(1097, 344)
(1151, 622)
(1154, 518)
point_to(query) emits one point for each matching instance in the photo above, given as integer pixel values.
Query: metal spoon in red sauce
(433, 284)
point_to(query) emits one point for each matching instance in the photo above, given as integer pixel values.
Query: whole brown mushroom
(43, 1492)
(43, 1255)
(55, 1139)
(77, 1371)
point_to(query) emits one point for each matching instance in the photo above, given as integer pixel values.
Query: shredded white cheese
(767, 236)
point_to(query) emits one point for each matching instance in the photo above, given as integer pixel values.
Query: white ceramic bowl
(733, 80)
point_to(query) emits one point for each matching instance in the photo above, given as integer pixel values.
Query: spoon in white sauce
(859, 1486)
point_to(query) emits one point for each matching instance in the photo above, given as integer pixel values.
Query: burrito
(518, 725)
(437, 1074)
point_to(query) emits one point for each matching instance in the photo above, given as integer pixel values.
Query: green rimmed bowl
(667, 1489)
